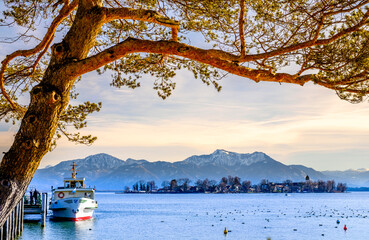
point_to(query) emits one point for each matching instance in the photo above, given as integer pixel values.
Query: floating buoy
(338, 221)
(345, 228)
(225, 231)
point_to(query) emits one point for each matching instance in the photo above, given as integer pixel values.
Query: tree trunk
(48, 101)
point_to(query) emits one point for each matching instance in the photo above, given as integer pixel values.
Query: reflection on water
(205, 216)
(56, 229)
(74, 230)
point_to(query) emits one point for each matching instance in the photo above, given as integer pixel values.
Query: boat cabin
(77, 193)
(74, 183)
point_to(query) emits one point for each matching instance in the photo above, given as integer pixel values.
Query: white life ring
(61, 195)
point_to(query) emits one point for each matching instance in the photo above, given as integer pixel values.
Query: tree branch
(42, 53)
(310, 43)
(330, 13)
(319, 28)
(143, 15)
(215, 58)
(241, 23)
(64, 12)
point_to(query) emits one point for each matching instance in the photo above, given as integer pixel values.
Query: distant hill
(109, 173)
(355, 178)
(313, 174)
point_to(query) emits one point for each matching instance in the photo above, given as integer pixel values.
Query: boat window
(88, 195)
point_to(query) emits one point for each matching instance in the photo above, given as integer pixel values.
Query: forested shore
(232, 184)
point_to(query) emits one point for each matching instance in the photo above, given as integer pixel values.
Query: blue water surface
(205, 216)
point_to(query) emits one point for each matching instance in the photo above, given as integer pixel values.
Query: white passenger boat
(73, 201)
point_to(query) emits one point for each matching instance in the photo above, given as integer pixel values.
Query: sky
(294, 125)
(306, 125)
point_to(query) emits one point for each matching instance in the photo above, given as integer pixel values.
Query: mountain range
(110, 173)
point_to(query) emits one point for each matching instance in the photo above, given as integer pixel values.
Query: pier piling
(13, 227)
(43, 209)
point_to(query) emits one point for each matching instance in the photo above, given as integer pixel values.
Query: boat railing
(84, 188)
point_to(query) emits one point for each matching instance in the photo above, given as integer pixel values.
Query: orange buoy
(345, 228)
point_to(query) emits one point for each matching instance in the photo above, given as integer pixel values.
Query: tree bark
(48, 100)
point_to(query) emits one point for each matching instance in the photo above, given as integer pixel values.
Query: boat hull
(77, 219)
(73, 209)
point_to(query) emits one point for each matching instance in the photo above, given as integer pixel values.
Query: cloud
(6, 138)
(300, 132)
(283, 121)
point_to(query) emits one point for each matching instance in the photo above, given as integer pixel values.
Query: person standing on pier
(31, 197)
(35, 196)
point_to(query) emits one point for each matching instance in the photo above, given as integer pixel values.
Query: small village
(235, 185)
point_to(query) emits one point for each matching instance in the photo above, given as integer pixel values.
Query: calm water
(204, 216)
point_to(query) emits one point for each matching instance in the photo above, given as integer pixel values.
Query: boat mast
(74, 171)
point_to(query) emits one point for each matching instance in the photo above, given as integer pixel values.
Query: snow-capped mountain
(109, 173)
(225, 158)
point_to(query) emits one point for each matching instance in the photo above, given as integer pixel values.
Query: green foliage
(344, 64)
(27, 13)
(269, 27)
(6, 113)
(75, 116)
(163, 69)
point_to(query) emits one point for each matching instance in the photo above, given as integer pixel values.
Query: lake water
(204, 216)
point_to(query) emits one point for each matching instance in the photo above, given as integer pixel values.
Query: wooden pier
(13, 226)
(38, 209)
